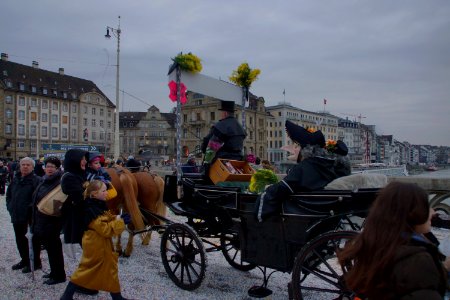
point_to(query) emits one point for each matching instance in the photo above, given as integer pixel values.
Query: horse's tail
(130, 191)
(161, 209)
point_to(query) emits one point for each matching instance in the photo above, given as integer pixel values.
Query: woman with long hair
(394, 257)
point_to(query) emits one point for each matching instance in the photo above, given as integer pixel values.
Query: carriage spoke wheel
(183, 256)
(317, 262)
(231, 249)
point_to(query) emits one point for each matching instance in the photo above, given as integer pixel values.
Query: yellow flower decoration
(188, 62)
(244, 76)
(311, 130)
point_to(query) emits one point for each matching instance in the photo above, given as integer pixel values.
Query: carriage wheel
(183, 256)
(318, 262)
(231, 249)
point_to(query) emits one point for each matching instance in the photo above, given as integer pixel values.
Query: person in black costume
(229, 131)
(3, 177)
(47, 228)
(75, 161)
(314, 170)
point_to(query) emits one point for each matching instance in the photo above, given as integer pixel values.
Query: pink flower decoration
(173, 92)
(214, 145)
(251, 158)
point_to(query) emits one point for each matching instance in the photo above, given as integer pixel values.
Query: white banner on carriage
(209, 86)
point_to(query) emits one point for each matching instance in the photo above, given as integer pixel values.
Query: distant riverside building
(149, 136)
(44, 112)
(276, 133)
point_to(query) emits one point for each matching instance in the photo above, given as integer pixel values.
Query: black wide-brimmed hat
(341, 148)
(227, 106)
(303, 137)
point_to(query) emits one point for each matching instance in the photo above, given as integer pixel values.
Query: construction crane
(355, 116)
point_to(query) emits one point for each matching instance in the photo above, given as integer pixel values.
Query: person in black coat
(314, 170)
(19, 204)
(72, 185)
(3, 177)
(48, 228)
(228, 131)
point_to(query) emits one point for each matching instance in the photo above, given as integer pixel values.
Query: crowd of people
(84, 219)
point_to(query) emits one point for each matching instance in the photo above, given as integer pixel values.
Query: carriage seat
(358, 181)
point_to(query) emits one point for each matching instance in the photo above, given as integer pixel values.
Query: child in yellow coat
(98, 269)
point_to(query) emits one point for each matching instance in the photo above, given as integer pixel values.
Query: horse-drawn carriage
(302, 240)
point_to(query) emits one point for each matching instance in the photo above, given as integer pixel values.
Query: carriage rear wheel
(231, 249)
(318, 262)
(183, 256)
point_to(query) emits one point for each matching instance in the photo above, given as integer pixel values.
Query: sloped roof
(32, 76)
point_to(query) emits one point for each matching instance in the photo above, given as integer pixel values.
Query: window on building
(55, 119)
(64, 94)
(33, 116)
(44, 104)
(74, 108)
(44, 131)
(33, 102)
(102, 123)
(109, 125)
(85, 122)
(65, 107)
(33, 144)
(213, 116)
(184, 133)
(54, 132)
(8, 128)
(94, 123)
(109, 114)
(65, 119)
(55, 105)
(21, 115)
(74, 120)
(102, 135)
(8, 113)
(20, 144)
(185, 119)
(251, 121)
(64, 133)
(85, 109)
(21, 86)
(93, 111)
(21, 129)
(251, 135)
(33, 130)
(94, 135)
(55, 93)
(8, 99)
(44, 91)
(44, 117)
(102, 112)
(33, 89)
(74, 134)
(22, 101)
(199, 117)
(9, 84)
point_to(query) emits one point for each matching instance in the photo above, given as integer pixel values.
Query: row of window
(54, 132)
(43, 90)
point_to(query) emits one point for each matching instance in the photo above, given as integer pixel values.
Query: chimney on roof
(5, 56)
(35, 64)
(61, 71)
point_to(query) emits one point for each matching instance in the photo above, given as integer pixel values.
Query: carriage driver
(314, 170)
(228, 131)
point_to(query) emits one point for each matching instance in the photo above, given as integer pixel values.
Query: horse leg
(129, 248)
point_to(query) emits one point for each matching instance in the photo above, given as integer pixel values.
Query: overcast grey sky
(386, 60)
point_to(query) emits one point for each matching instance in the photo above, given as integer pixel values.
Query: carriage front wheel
(183, 256)
(317, 271)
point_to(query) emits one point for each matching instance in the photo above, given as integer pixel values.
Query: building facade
(46, 113)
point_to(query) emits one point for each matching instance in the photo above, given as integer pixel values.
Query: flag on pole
(284, 91)
(324, 101)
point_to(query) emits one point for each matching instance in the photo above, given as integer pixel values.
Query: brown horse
(136, 190)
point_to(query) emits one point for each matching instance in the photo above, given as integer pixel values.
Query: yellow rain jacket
(98, 268)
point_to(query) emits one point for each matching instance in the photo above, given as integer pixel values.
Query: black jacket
(231, 133)
(309, 175)
(19, 197)
(72, 185)
(417, 273)
(43, 224)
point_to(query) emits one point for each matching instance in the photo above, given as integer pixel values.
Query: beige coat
(98, 268)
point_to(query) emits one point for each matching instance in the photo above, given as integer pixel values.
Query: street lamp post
(116, 33)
